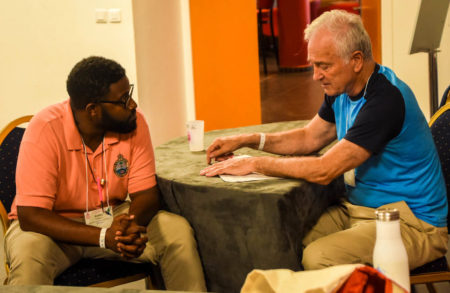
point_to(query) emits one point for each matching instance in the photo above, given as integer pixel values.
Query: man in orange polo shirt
(78, 161)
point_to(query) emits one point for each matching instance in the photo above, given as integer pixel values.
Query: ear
(92, 110)
(357, 60)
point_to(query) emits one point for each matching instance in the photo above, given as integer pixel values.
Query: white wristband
(101, 241)
(262, 141)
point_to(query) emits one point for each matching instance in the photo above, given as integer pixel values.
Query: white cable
(106, 171)
(87, 177)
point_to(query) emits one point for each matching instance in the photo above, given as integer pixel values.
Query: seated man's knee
(30, 247)
(174, 228)
(314, 257)
(30, 261)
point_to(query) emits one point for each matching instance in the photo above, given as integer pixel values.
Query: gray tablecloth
(240, 226)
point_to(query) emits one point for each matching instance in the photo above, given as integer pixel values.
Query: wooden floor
(287, 96)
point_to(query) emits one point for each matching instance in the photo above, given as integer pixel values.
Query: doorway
(293, 95)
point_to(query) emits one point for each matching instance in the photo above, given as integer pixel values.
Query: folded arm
(302, 141)
(342, 157)
(57, 227)
(317, 134)
(144, 205)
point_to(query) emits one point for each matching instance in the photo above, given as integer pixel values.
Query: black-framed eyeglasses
(125, 101)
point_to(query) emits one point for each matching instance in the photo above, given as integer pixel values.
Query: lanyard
(100, 182)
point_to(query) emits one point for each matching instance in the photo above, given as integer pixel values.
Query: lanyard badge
(101, 218)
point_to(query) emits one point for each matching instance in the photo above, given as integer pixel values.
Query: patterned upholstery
(437, 265)
(86, 272)
(440, 130)
(438, 270)
(9, 151)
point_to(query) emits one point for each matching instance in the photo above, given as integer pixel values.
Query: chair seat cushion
(438, 265)
(87, 272)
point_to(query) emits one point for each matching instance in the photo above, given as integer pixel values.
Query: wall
(164, 66)
(42, 40)
(398, 26)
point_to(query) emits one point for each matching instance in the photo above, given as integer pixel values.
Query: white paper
(248, 177)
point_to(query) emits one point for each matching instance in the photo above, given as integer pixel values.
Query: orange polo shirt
(51, 168)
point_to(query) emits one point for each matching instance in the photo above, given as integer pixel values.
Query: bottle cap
(387, 214)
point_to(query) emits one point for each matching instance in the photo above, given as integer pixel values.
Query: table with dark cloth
(244, 225)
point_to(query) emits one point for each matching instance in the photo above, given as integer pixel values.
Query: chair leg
(260, 40)
(148, 283)
(431, 288)
(274, 41)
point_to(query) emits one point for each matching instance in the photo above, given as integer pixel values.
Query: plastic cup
(195, 133)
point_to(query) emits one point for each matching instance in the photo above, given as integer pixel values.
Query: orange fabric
(293, 17)
(51, 168)
(371, 17)
(366, 280)
(225, 61)
(264, 3)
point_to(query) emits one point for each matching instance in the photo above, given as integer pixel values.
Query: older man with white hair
(385, 152)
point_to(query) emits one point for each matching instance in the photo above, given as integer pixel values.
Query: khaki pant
(346, 234)
(36, 259)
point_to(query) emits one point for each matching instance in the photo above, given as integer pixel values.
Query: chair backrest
(440, 129)
(10, 138)
(445, 97)
(264, 4)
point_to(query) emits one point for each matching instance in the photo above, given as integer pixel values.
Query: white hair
(347, 30)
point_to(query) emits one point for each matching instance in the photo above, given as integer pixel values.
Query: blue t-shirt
(404, 166)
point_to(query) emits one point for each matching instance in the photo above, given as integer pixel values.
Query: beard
(109, 123)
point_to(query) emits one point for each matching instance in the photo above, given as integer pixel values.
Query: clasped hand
(124, 237)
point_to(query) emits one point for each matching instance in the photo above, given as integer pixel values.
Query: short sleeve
(379, 120)
(326, 111)
(36, 173)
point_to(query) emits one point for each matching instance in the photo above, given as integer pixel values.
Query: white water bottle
(389, 254)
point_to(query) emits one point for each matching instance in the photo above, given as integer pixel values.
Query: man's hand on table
(222, 148)
(235, 166)
(124, 237)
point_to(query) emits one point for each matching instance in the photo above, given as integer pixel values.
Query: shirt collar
(361, 93)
